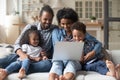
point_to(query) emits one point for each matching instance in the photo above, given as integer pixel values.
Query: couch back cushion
(5, 49)
(115, 56)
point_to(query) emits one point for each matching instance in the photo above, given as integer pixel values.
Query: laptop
(68, 50)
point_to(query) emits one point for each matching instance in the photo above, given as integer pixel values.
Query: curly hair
(48, 9)
(79, 26)
(67, 13)
(25, 38)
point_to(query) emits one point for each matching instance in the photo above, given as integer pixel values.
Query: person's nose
(65, 25)
(77, 38)
(48, 21)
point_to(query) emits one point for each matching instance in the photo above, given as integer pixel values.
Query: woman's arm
(57, 35)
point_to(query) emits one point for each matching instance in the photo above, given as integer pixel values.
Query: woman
(65, 17)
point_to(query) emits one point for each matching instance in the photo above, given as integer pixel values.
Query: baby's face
(34, 39)
(78, 35)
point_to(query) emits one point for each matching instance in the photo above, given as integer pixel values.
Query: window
(87, 8)
(2, 11)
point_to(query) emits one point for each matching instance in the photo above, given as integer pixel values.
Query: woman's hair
(67, 13)
(79, 26)
(48, 9)
(26, 38)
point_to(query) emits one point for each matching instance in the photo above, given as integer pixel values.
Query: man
(45, 27)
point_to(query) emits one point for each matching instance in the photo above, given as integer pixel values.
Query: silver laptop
(68, 50)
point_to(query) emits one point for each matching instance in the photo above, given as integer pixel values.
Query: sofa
(81, 75)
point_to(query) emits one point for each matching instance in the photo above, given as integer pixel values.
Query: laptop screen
(68, 50)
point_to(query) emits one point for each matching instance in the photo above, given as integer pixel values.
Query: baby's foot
(117, 71)
(3, 74)
(22, 73)
(111, 68)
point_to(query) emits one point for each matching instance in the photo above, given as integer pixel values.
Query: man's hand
(22, 54)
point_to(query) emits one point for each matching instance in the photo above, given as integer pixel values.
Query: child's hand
(43, 53)
(81, 41)
(44, 58)
(35, 58)
(89, 56)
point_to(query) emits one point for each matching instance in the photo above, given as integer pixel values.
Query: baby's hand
(43, 53)
(44, 58)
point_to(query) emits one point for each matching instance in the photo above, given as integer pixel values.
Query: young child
(31, 46)
(92, 52)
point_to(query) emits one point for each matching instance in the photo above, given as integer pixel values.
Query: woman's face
(46, 19)
(66, 24)
(78, 35)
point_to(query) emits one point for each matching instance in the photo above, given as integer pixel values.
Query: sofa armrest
(115, 56)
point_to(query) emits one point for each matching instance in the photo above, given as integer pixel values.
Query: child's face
(78, 35)
(66, 24)
(34, 39)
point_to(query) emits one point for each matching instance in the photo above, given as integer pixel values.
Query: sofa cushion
(90, 75)
(5, 49)
(33, 76)
(116, 56)
(80, 75)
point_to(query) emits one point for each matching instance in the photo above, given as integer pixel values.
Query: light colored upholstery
(115, 56)
(81, 75)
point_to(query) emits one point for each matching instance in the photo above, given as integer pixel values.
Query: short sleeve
(24, 47)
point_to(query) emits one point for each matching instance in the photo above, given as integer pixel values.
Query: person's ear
(39, 18)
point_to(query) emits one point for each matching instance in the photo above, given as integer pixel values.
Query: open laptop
(68, 50)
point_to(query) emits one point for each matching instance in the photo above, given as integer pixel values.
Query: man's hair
(48, 9)
(79, 26)
(67, 13)
(26, 38)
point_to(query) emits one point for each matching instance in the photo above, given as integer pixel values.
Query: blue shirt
(91, 43)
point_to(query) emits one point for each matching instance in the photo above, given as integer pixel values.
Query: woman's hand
(82, 58)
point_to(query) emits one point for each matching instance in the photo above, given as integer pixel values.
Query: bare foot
(111, 68)
(62, 78)
(22, 73)
(117, 71)
(3, 74)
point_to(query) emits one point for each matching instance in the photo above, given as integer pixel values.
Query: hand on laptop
(89, 56)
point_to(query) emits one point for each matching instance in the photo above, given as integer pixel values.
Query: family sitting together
(34, 47)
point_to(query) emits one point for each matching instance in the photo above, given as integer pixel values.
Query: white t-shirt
(31, 50)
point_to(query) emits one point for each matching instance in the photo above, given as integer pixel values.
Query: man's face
(46, 20)
(66, 24)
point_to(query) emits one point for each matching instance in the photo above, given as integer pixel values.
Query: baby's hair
(79, 26)
(25, 38)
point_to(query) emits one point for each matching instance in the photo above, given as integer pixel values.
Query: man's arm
(17, 47)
